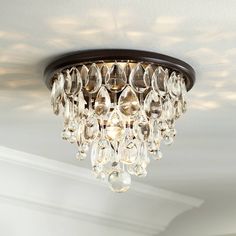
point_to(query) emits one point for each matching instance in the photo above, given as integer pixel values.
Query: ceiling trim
(69, 190)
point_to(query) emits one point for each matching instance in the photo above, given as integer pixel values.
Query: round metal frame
(107, 55)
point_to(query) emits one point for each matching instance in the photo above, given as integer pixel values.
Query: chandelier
(118, 107)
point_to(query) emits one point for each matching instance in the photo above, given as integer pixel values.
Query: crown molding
(150, 209)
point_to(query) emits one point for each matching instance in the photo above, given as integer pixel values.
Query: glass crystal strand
(183, 95)
(128, 102)
(138, 80)
(141, 126)
(128, 148)
(94, 79)
(54, 103)
(66, 133)
(91, 129)
(116, 78)
(72, 124)
(122, 131)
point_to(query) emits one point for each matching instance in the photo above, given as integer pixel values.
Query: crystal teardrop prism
(128, 151)
(128, 102)
(115, 126)
(94, 79)
(119, 181)
(183, 87)
(127, 69)
(153, 104)
(80, 108)
(67, 111)
(137, 170)
(76, 82)
(102, 151)
(102, 102)
(143, 158)
(160, 80)
(60, 87)
(91, 128)
(137, 80)
(168, 109)
(147, 77)
(141, 127)
(116, 78)
(174, 84)
(54, 103)
(104, 71)
(84, 75)
(67, 83)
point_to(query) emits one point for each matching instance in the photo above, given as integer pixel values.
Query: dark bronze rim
(87, 56)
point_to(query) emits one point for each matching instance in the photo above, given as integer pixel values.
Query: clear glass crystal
(91, 128)
(141, 127)
(67, 83)
(84, 75)
(94, 79)
(159, 80)
(102, 102)
(137, 80)
(116, 78)
(153, 104)
(128, 102)
(115, 126)
(119, 181)
(128, 151)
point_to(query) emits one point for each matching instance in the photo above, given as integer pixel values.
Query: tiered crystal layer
(119, 112)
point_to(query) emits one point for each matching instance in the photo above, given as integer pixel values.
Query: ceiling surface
(202, 161)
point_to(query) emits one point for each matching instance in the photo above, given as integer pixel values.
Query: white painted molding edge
(83, 175)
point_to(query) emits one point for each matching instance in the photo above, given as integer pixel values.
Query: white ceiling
(201, 163)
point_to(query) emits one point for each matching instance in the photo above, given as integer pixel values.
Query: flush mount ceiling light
(119, 105)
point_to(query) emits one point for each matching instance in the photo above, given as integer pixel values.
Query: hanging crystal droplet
(104, 71)
(141, 127)
(60, 87)
(82, 150)
(137, 170)
(54, 102)
(128, 102)
(91, 128)
(119, 181)
(67, 111)
(128, 149)
(160, 80)
(115, 126)
(143, 155)
(66, 134)
(76, 82)
(183, 86)
(174, 85)
(137, 80)
(84, 75)
(168, 109)
(157, 155)
(153, 105)
(94, 79)
(80, 155)
(80, 104)
(127, 69)
(116, 78)
(147, 77)
(67, 83)
(102, 152)
(102, 102)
